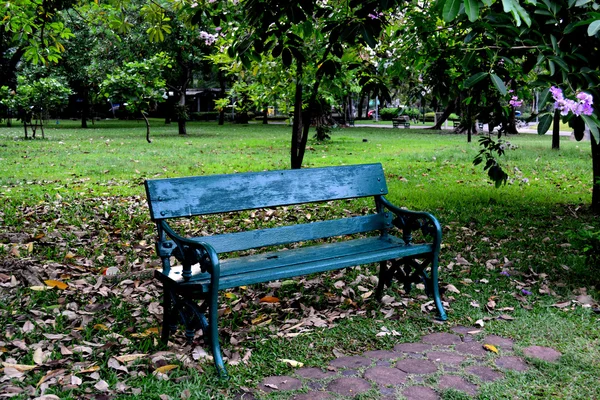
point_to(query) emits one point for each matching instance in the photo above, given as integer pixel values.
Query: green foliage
(412, 112)
(8, 97)
(490, 150)
(42, 94)
(387, 114)
(138, 84)
(35, 28)
(430, 116)
(204, 116)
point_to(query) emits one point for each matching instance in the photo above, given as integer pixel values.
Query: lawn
(73, 205)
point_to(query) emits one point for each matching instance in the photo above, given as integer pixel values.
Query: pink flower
(581, 107)
(515, 102)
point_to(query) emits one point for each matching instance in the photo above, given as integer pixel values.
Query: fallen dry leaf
(57, 284)
(19, 367)
(114, 364)
(129, 357)
(38, 356)
(452, 289)
(292, 363)
(93, 368)
(101, 327)
(261, 318)
(269, 299)
(585, 299)
(491, 347)
(102, 386)
(28, 326)
(562, 305)
(165, 368)
(51, 374)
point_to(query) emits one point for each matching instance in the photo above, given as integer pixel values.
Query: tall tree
(138, 85)
(311, 38)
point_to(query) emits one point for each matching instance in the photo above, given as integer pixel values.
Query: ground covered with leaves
(80, 312)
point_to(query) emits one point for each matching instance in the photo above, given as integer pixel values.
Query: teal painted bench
(190, 290)
(404, 121)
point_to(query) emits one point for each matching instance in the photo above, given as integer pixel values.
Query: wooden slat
(295, 233)
(178, 197)
(297, 262)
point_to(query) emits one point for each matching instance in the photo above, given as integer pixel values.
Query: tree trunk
(595, 175)
(42, 126)
(556, 131)
(447, 111)
(350, 109)
(360, 107)
(266, 115)
(222, 96)
(147, 127)
(85, 108)
(511, 125)
(296, 155)
(181, 112)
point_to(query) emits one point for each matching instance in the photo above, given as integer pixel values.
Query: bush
(204, 116)
(454, 117)
(411, 112)
(387, 114)
(430, 116)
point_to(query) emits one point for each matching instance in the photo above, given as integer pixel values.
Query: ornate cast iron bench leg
(408, 271)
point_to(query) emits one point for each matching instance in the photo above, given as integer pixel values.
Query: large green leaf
(451, 8)
(593, 28)
(593, 124)
(473, 80)
(544, 125)
(543, 99)
(499, 84)
(472, 9)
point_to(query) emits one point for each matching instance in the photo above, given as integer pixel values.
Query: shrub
(204, 116)
(387, 114)
(411, 112)
(430, 116)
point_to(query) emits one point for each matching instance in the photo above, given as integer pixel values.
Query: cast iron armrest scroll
(190, 252)
(408, 221)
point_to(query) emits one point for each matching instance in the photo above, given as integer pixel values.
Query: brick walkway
(449, 360)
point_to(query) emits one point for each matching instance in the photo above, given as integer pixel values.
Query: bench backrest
(201, 195)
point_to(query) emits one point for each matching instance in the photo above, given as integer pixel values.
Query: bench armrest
(409, 221)
(190, 252)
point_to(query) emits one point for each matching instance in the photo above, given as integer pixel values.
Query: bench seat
(290, 263)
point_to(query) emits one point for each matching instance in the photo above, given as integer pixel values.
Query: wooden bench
(397, 122)
(191, 289)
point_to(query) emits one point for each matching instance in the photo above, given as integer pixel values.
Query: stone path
(412, 371)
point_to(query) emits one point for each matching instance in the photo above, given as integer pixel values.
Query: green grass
(74, 204)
